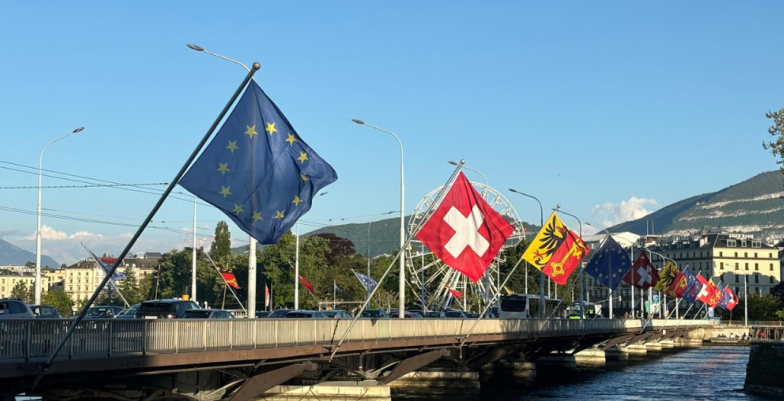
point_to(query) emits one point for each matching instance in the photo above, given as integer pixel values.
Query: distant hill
(12, 255)
(753, 206)
(384, 236)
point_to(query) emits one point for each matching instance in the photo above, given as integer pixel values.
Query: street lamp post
(582, 276)
(37, 284)
(251, 240)
(541, 273)
(402, 278)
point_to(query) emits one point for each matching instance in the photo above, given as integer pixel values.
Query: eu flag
(258, 170)
(609, 264)
(693, 286)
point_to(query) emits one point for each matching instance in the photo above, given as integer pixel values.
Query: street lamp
(37, 284)
(582, 276)
(541, 273)
(296, 264)
(498, 271)
(251, 241)
(402, 280)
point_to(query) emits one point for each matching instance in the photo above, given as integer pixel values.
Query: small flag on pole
(231, 280)
(366, 281)
(337, 289)
(455, 293)
(609, 264)
(258, 170)
(266, 296)
(307, 285)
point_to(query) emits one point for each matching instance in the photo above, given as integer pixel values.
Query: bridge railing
(24, 340)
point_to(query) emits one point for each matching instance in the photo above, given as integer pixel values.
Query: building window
(737, 278)
(731, 243)
(736, 265)
(737, 290)
(747, 266)
(700, 265)
(736, 254)
(720, 254)
(771, 255)
(756, 279)
(745, 254)
(721, 266)
(771, 267)
(756, 266)
(771, 279)
(755, 254)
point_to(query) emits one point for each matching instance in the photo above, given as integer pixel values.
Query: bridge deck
(152, 344)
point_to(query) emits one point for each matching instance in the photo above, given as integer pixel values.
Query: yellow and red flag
(667, 277)
(556, 250)
(231, 280)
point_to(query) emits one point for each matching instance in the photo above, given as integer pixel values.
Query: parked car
(337, 314)
(278, 314)
(408, 315)
(262, 314)
(435, 315)
(165, 309)
(454, 314)
(103, 312)
(129, 313)
(305, 314)
(207, 314)
(15, 309)
(45, 312)
(471, 315)
(375, 314)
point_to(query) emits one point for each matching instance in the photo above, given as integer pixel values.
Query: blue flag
(257, 170)
(609, 264)
(337, 289)
(115, 277)
(366, 281)
(693, 286)
(725, 298)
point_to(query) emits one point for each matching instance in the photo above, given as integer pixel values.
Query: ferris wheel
(428, 272)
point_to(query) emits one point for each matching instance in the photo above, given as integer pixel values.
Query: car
(434, 315)
(471, 315)
(337, 314)
(278, 314)
(455, 314)
(374, 314)
(165, 309)
(15, 309)
(207, 314)
(262, 314)
(305, 314)
(45, 312)
(408, 315)
(103, 312)
(129, 313)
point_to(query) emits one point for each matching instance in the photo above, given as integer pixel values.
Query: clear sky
(609, 108)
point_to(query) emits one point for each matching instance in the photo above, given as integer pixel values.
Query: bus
(526, 306)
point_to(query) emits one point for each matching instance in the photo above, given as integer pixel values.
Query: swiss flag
(708, 293)
(733, 298)
(642, 274)
(464, 231)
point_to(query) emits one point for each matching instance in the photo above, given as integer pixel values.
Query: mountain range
(753, 206)
(12, 255)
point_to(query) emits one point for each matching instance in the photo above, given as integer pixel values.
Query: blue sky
(581, 104)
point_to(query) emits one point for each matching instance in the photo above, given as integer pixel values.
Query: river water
(705, 373)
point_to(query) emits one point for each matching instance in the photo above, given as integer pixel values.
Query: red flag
(464, 231)
(307, 285)
(231, 280)
(708, 293)
(678, 286)
(642, 274)
(556, 250)
(266, 296)
(455, 293)
(733, 298)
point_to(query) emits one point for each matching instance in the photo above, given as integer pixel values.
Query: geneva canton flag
(257, 169)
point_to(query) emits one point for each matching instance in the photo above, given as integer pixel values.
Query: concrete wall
(765, 371)
(715, 331)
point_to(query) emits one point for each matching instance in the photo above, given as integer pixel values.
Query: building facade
(83, 277)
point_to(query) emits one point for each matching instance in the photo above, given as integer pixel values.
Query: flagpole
(132, 242)
(334, 294)
(400, 252)
(746, 300)
(541, 273)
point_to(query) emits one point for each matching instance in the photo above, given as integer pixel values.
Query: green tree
(220, 250)
(60, 300)
(21, 291)
(776, 146)
(761, 307)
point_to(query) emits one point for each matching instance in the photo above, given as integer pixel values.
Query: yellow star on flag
(302, 157)
(304, 177)
(271, 128)
(251, 131)
(257, 216)
(232, 146)
(223, 167)
(238, 209)
(225, 191)
(297, 200)
(291, 139)
(279, 215)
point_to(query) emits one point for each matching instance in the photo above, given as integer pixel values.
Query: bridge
(241, 359)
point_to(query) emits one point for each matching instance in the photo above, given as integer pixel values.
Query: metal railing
(25, 340)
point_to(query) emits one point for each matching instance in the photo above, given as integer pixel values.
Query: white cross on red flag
(465, 232)
(642, 274)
